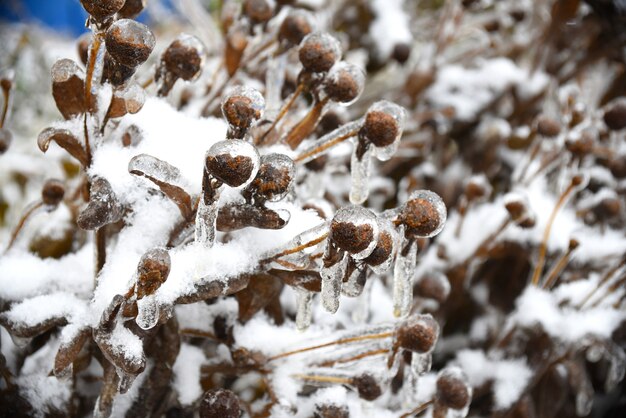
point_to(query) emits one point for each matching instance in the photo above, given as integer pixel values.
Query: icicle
(274, 81)
(353, 287)
(362, 309)
(403, 279)
(304, 304)
(205, 223)
(331, 283)
(148, 312)
(360, 169)
(293, 252)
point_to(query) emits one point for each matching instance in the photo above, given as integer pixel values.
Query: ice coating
(403, 272)
(304, 308)
(424, 214)
(277, 168)
(245, 96)
(360, 169)
(144, 164)
(344, 83)
(65, 68)
(332, 277)
(328, 141)
(386, 228)
(234, 162)
(148, 312)
(192, 42)
(206, 217)
(398, 113)
(319, 51)
(358, 217)
(297, 250)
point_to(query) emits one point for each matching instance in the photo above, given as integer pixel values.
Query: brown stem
(331, 363)
(607, 276)
(554, 274)
(6, 92)
(616, 285)
(543, 248)
(282, 112)
(192, 332)
(324, 379)
(324, 147)
(101, 248)
(299, 248)
(29, 211)
(304, 128)
(336, 342)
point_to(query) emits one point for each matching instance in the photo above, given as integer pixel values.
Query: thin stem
(101, 248)
(607, 276)
(282, 112)
(192, 332)
(612, 288)
(554, 274)
(323, 147)
(543, 248)
(325, 379)
(331, 363)
(336, 342)
(29, 211)
(421, 408)
(300, 247)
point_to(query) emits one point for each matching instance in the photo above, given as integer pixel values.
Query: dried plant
(208, 243)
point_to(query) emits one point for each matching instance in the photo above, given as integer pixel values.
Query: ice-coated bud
(383, 250)
(184, 57)
(129, 42)
(344, 83)
(220, 403)
(52, 192)
(423, 216)
(258, 11)
(275, 177)
(367, 387)
(615, 115)
(383, 124)
(319, 52)
(152, 271)
(233, 162)
(548, 127)
(242, 106)
(417, 333)
(329, 410)
(101, 9)
(68, 88)
(296, 25)
(354, 229)
(453, 391)
(131, 8)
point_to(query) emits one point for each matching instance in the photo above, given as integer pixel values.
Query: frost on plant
(315, 209)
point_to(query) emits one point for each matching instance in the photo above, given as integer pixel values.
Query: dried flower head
(354, 229)
(423, 215)
(258, 11)
(344, 83)
(242, 106)
(101, 9)
(417, 333)
(220, 403)
(453, 390)
(233, 162)
(367, 386)
(319, 52)
(129, 42)
(296, 25)
(152, 271)
(52, 192)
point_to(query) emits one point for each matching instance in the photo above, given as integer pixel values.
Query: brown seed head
(330, 411)
(233, 162)
(582, 145)
(52, 192)
(548, 127)
(452, 390)
(129, 42)
(131, 9)
(367, 387)
(101, 9)
(380, 128)
(275, 177)
(116, 73)
(401, 52)
(344, 83)
(516, 206)
(258, 11)
(423, 216)
(184, 57)
(241, 107)
(220, 403)
(318, 52)
(382, 251)
(294, 28)
(418, 333)
(152, 271)
(353, 229)
(615, 116)
(433, 286)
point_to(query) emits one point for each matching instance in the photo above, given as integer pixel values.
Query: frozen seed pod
(383, 126)
(453, 390)
(183, 59)
(52, 192)
(274, 179)
(115, 73)
(68, 88)
(382, 256)
(304, 308)
(103, 207)
(101, 9)
(220, 403)
(548, 127)
(519, 210)
(129, 42)
(296, 25)
(423, 216)
(354, 229)
(258, 11)
(367, 387)
(233, 162)
(417, 333)
(344, 83)
(434, 285)
(152, 271)
(318, 52)
(131, 8)
(242, 106)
